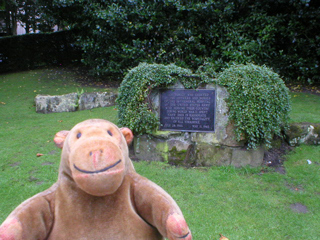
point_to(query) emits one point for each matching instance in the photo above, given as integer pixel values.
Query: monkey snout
(96, 152)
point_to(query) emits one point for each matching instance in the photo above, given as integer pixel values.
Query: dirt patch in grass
(47, 163)
(275, 157)
(281, 170)
(15, 164)
(298, 207)
(32, 179)
(53, 152)
(294, 188)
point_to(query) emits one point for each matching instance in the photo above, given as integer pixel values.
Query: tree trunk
(14, 22)
(8, 18)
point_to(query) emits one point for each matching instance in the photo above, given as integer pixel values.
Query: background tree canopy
(33, 15)
(117, 35)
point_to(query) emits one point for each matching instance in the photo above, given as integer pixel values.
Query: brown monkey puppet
(98, 194)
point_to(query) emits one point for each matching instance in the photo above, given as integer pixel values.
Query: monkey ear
(127, 133)
(60, 137)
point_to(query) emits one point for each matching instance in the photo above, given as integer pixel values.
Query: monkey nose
(96, 152)
(96, 157)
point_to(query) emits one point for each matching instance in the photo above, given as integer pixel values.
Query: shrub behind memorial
(117, 35)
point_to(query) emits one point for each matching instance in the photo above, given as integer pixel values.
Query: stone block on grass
(304, 132)
(72, 102)
(97, 99)
(58, 103)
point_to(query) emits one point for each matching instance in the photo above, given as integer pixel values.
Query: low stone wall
(73, 101)
(191, 149)
(205, 149)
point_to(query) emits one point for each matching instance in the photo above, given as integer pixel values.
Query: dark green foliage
(33, 16)
(29, 51)
(133, 102)
(259, 102)
(117, 35)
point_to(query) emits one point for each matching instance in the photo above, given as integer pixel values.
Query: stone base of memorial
(197, 147)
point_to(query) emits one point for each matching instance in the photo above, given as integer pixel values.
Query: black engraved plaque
(187, 110)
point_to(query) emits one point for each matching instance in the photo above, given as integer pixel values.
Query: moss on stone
(164, 134)
(163, 149)
(295, 131)
(316, 129)
(177, 157)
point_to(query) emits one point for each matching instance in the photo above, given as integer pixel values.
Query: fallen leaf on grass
(223, 237)
(3, 103)
(39, 154)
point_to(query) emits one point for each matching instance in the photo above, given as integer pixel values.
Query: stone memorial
(227, 118)
(194, 130)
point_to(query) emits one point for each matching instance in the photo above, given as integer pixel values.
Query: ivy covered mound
(259, 102)
(133, 103)
(258, 98)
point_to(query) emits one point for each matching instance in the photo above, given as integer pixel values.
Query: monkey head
(95, 155)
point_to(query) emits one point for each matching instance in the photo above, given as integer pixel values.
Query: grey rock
(150, 149)
(96, 99)
(72, 102)
(242, 157)
(59, 103)
(212, 155)
(304, 132)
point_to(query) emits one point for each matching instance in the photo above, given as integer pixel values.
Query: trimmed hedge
(117, 35)
(30, 51)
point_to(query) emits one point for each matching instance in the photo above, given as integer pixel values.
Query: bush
(259, 102)
(117, 35)
(133, 102)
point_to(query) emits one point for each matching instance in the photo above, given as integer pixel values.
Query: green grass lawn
(245, 203)
(306, 108)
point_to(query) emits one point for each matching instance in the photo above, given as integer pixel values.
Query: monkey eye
(109, 132)
(79, 135)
